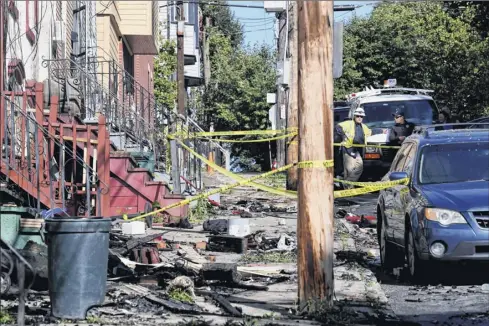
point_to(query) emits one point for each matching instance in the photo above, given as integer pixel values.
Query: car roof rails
(370, 91)
(426, 129)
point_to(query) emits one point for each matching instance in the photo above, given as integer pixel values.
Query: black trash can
(78, 253)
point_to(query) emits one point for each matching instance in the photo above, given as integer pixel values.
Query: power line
(336, 8)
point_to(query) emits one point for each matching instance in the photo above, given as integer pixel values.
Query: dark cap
(398, 112)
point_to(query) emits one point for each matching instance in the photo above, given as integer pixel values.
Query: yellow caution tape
(368, 189)
(369, 184)
(209, 193)
(235, 176)
(295, 142)
(337, 194)
(248, 140)
(236, 133)
(315, 164)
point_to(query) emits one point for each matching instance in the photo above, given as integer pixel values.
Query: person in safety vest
(353, 132)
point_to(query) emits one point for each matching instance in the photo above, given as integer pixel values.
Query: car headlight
(444, 216)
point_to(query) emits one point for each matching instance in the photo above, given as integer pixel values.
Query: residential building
(192, 17)
(77, 107)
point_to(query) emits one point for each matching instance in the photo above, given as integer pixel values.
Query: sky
(259, 25)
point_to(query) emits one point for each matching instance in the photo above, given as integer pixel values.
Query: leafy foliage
(423, 46)
(480, 19)
(165, 65)
(241, 76)
(223, 19)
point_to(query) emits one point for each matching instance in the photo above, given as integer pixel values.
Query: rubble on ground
(158, 277)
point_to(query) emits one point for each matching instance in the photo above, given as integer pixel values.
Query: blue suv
(442, 214)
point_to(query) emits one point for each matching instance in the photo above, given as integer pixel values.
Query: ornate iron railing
(44, 163)
(122, 115)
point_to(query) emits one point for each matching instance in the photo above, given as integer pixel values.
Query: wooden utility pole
(181, 59)
(292, 143)
(174, 150)
(2, 65)
(280, 112)
(315, 220)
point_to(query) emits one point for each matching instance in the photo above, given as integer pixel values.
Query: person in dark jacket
(443, 119)
(400, 130)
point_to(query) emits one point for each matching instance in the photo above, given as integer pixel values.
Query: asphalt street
(457, 294)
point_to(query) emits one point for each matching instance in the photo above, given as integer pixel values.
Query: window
(454, 162)
(174, 12)
(419, 112)
(402, 155)
(408, 166)
(128, 61)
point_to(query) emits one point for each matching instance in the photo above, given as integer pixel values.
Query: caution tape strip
(291, 132)
(236, 133)
(235, 176)
(367, 187)
(337, 194)
(248, 140)
(208, 193)
(369, 184)
(295, 142)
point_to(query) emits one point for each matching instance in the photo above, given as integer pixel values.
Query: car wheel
(416, 266)
(387, 249)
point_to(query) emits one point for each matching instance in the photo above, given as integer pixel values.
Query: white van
(379, 106)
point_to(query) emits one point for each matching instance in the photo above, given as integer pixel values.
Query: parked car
(443, 213)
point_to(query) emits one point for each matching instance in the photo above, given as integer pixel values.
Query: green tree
(423, 46)
(165, 65)
(235, 98)
(224, 21)
(165, 92)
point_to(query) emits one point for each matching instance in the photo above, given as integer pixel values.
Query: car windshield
(418, 112)
(448, 163)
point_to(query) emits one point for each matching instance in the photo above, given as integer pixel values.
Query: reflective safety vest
(349, 130)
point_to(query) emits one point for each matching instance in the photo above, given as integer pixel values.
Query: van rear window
(380, 114)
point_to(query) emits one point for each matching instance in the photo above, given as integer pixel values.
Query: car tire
(387, 249)
(416, 267)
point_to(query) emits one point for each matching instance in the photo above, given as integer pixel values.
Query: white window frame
(173, 12)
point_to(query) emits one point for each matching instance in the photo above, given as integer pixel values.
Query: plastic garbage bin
(78, 253)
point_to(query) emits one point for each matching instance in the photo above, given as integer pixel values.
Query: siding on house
(137, 17)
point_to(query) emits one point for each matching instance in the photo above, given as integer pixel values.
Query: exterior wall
(108, 39)
(191, 40)
(108, 30)
(67, 11)
(137, 17)
(163, 20)
(188, 40)
(34, 21)
(143, 74)
(193, 70)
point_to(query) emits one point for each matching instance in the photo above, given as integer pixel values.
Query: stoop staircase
(67, 143)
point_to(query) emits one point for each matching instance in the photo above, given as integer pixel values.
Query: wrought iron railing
(123, 83)
(45, 166)
(122, 115)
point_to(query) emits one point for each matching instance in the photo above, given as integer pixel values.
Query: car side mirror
(394, 176)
